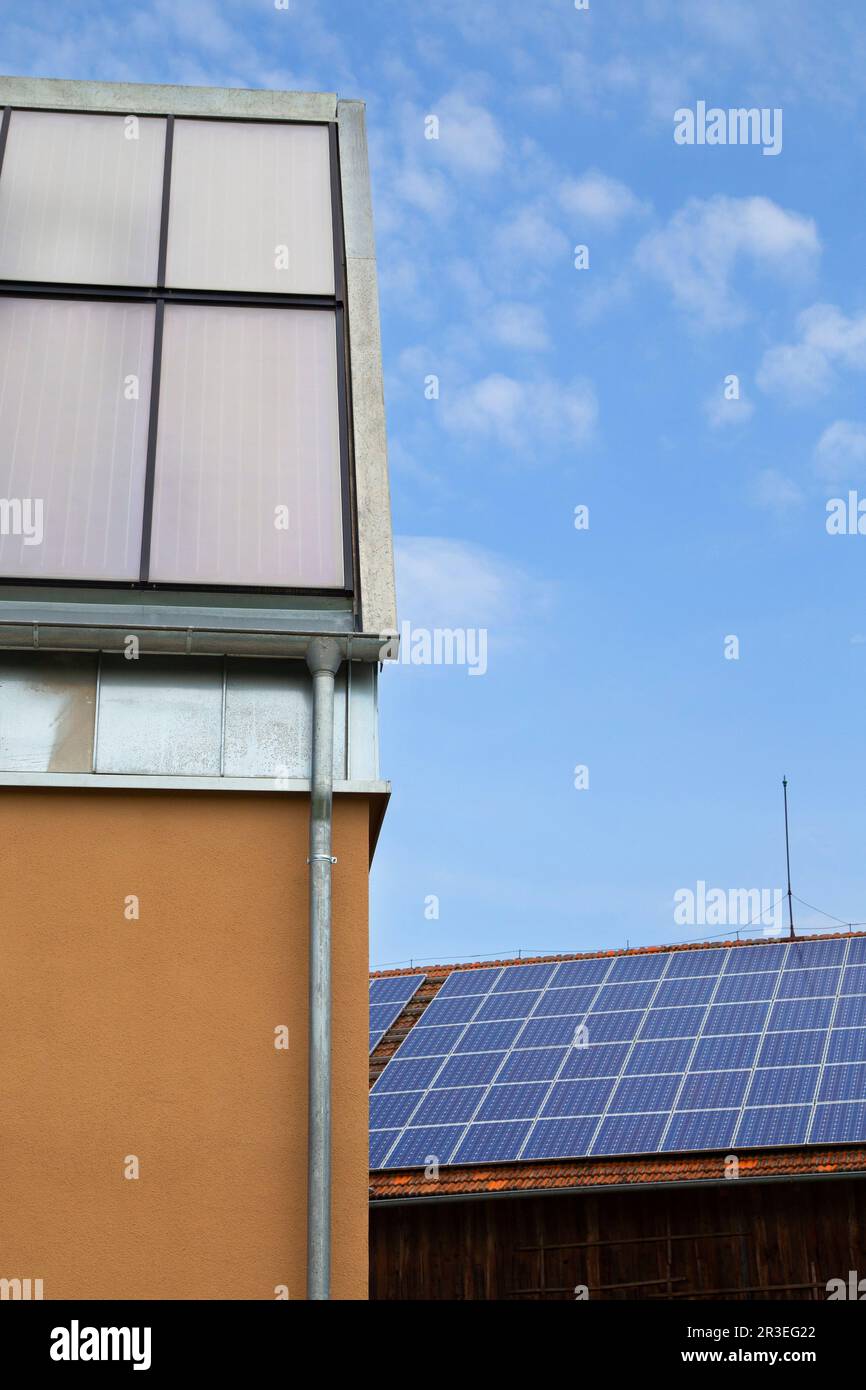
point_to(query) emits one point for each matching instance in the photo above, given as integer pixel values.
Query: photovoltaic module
(717, 1048)
(388, 999)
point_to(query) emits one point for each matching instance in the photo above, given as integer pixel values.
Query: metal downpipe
(323, 659)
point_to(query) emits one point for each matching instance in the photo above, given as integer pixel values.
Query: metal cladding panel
(47, 707)
(80, 198)
(268, 720)
(164, 717)
(782, 1061)
(160, 716)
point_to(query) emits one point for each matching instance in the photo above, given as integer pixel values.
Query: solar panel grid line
(563, 1060)
(766, 1028)
(429, 1085)
(824, 1054)
(531, 1013)
(622, 1071)
(710, 1002)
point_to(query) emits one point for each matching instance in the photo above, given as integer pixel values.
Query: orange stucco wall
(155, 1038)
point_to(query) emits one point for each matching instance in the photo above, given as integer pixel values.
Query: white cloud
(696, 254)
(544, 97)
(722, 413)
(443, 582)
(521, 415)
(841, 451)
(771, 489)
(519, 326)
(826, 338)
(470, 141)
(596, 197)
(428, 190)
(529, 236)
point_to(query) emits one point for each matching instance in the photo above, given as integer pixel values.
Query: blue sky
(602, 387)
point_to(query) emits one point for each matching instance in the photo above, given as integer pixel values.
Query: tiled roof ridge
(432, 970)
(657, 1169)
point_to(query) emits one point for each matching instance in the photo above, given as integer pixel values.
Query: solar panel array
(388, 999)
(717, 1048)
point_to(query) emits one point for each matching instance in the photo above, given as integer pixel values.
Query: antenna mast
(788, 860)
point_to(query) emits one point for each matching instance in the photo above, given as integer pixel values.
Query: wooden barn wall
(743, 1240)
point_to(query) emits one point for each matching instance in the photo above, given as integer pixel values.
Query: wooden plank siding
(781, 1239)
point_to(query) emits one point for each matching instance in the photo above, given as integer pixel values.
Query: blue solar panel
(792, 1049)
(470, 1069)
(854, 980)
(537, 1064)
(847, 1045)
(488, 1037)
(635, 996)
(670, 1054)
(713, 1090)
(566, 1001)
(775, 1124)
(380, 1142)
(794, 1014)
(382, 1016)
(686, 963)
(458, 1010)
(714, 1054)
(844, 1082)
(769, 957)
(580, 972)
(388, 998)
(420, 1147)
(601, 1059)
(629, 1134)
(514, 1004)
(673, 1023)
(448, 1107)
(414, 1074)
(736, 1018)
(738, 989)
(521, 1102)
(644, 1093)
(637, 968)
(491, 1143)
(784, 1085)
(393, 1108)
(618, 1027)
(721, 1048)
(553, 1138)
(850, 1011)
(431, 1042)
(469, 982)
(394, 989)
(839, 1124)
(809, 984)
(551, 1032)
(680, 993)
(701, 1129)
(803, 955)
(579, 1097)
(524, 977)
